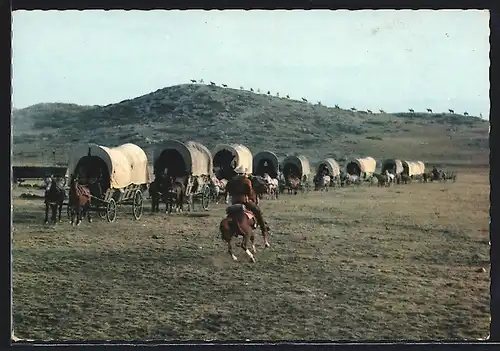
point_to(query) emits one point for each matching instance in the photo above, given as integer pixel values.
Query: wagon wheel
(111, 210)
(102, 211)
(205, 197)
(138, 205)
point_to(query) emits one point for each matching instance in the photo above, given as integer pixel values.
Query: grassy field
(356, 263)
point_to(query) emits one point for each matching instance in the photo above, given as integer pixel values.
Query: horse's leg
(53, 216)
(59, 210)
(46, 213)
(73, 214)
(87, 209)
(230, 247)
(252, 239)
(79, 214)
(247, 242)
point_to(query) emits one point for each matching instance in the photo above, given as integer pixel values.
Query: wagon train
(115, 176)
(327, 168)
(296, 172)
(189, 163)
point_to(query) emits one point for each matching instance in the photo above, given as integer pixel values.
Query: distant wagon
(413, 169)
(181, 160)
(227, 157)
(394, 166)
(115, 176)
(299, 167)
(266, 162)
(362, 167)
(330, 167)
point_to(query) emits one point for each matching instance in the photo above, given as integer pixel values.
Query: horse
(382, 179)
(391, 177)
(405, 178)
(348, 179)
(54, 198)
(174, 195)
(260, 187)
(322, 182)
(218, 188)
(293, 184)
(240, 221)
(272, 186)
(79, 202)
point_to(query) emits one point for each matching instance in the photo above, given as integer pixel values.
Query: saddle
(237, 209)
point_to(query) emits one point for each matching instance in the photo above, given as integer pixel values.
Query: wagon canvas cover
(301, 162)
(365, 164)
(331, 165)
(414, 167)
(243, 155)
(127, 164)
(196, 156)
(388, 164)
(268, 156)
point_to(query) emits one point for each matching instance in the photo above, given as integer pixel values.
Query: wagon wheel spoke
(138, 205)
(205, 198)
(111, 210)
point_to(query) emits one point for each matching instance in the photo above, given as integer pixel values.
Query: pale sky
(391, 60)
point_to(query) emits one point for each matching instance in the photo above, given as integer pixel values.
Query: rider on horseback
(240, 189)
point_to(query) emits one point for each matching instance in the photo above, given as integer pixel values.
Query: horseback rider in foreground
(241, 191)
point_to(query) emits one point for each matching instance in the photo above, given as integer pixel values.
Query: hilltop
(213, 115)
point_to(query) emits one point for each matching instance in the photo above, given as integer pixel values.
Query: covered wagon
(228, 157)
(328, 167)
(266, 162)
(296, 166)
(413, 168)
(116, 175)
(362, 167)
(190, 161)
(394, 166)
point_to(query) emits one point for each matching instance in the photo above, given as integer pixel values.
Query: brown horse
(79, 202)
(240, 221)
(174, 195)
(259, 189)
(293, 184)
(383, 179)
(54, 198)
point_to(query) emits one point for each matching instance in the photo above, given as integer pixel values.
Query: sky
(385, 59)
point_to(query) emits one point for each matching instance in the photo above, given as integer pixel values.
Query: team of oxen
(101, 179)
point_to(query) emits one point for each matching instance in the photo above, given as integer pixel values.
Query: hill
(213, 115)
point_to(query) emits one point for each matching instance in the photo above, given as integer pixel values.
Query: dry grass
(355, 263)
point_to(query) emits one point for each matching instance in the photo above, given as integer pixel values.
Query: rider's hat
(240, 170)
